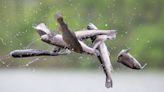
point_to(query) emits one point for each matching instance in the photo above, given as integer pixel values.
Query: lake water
(78, 81)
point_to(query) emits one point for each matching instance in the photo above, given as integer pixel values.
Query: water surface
(78, 81)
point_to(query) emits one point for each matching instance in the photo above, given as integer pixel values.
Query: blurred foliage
(139, 24)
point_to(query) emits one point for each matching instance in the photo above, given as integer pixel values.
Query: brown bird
(68, 36)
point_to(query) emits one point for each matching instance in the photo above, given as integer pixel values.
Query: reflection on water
(64, 81)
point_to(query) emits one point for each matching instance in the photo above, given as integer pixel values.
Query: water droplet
(71, 4)
(33, 70)
(26, 30)
(2, 40)
(5, 6)
(40, 3)
(27, 65)
(36, 12)
(11, 41)
(36, 59)
(32, 42)
(148, 41)
(80, 57)
(137, 39)
(20, 44)
(106, 25)
(17, 34)
(88, 58)
(2, 62)
(45, 59)
(8, 65)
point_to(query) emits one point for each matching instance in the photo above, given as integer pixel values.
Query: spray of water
(31, 43)
(34, 60)
(4, 60)
(2, 40)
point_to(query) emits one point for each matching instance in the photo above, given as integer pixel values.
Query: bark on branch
(32, 52)
(104, 55)
(73, 42)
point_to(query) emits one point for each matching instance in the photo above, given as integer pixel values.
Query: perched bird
(125, 58)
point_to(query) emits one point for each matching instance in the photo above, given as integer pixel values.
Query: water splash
(126, 32)
(80, 58)
(106, 25)
(148, 41)
(4, 60)
(31, 43)
(100, 67)
(40, 3)
(2, 40)
(137, 39)
(35, 60)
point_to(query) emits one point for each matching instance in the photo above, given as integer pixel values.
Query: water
(78, 81)
(34, 60)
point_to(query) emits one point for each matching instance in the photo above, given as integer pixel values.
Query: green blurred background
(139, 24)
